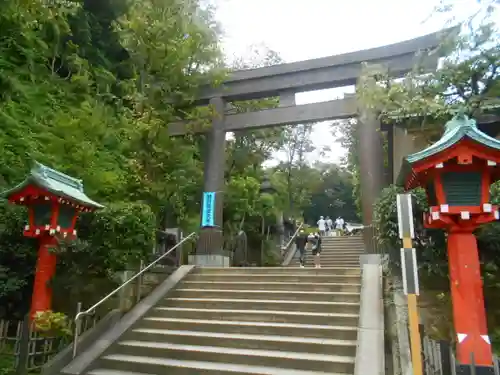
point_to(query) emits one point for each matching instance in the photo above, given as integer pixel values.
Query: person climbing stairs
(342, 251)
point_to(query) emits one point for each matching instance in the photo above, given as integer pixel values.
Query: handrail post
(287, 246)
(78, 324)
(139, 283)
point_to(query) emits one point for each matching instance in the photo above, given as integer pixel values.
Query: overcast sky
(307, 29)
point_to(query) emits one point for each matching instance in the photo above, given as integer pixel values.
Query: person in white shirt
(339, 225)
(329, 226)
(321, 226)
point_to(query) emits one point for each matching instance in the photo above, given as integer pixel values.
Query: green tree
(296, 146)
(84, 90)
(332, 196)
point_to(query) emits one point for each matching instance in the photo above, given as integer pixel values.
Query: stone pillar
(371, 158)
(403, 146)
(209, 250)
(287, 99)
(372, 173)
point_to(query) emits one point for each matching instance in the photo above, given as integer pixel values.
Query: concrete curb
(403, 339)
(84, 360)
(370, 353)
(289, 255)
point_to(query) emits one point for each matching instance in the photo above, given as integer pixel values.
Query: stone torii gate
(285, 80)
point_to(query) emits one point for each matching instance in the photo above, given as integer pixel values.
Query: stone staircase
(267, 321)
(342, 251)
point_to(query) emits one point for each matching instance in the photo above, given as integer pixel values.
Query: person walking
(329, 226)
(301, 242)
(321, 226)
(339, 226)
(316, 250)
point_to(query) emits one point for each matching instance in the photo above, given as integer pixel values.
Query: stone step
(125, 365)
(338, 256)
(260, 304)
(344, 262)
(266, 294)
(240, 356)
(310, 264)
(343, 251)
(293, 276)
(339, 262)
(336, 248)
(348, 248)
(246, 341)
(252, 315)
(339, 247)
(343, 239)
(333, 255)
(348, 244)
(274, 285)
(354, 263)
(269, 328)
(267, 321)
(274, 271)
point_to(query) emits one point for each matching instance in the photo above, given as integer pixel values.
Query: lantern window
(462, 188)
(66, 215)
(42, 213)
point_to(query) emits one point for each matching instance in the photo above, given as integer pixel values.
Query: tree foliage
(85, 89)
(347, 135)
(89, 88)
(468, 79)
(332, 195)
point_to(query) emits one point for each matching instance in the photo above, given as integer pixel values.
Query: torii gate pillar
(210, 247)
(371, 160)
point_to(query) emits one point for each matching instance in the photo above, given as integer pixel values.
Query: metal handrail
(91, 309)
(294, 236)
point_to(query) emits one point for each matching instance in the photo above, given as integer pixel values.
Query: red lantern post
(54, 201)
(457, 172)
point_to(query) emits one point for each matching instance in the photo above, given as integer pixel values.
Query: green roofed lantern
(456, 173)
(54, 201)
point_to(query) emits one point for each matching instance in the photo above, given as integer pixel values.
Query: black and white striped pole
(409, 272)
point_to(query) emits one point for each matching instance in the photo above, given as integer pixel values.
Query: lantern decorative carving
(54, 201)
(457, 172)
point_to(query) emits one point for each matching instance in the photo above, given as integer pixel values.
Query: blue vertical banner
(208, 212)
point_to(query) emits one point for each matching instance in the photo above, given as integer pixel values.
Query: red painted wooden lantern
(457, 172)
(54, 201)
